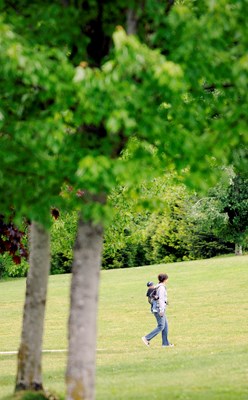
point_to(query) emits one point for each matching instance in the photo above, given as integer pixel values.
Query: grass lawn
(208, 322)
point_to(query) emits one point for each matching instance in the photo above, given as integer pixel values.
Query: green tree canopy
(184, 92)
(35, 96)
(234, 202)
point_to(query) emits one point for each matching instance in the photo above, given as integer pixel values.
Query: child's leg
(154, 306)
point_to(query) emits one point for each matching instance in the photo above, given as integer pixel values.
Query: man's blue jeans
(162, 327)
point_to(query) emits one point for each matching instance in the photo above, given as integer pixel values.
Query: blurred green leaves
(174, 96)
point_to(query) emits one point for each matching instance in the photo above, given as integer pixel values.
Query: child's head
(150, 284)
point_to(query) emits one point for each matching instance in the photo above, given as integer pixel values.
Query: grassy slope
(208, 323)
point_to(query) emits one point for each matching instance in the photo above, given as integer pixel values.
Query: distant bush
(18, 270)
(63, 234)
(178, 227)
(207, 245)
(2, 267)
(61, 263)
(9, 269)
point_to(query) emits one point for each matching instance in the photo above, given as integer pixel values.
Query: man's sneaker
(145, 341)
(168, 345)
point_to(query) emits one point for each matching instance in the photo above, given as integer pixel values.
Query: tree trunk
(238, 249)
(132, 22)
(29, 375)
(81, 366)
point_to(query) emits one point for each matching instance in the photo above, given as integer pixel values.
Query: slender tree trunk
(80, 375)
(132, 22)
(238, 249)
(29, 375)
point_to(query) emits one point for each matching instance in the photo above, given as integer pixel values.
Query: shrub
(62, 239)
(61, 263)
(9, 269)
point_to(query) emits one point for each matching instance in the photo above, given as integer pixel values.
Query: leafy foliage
(34, 96)
(219, 220)
(63, 232)
(11, 240)
(142, 234)
(235, 204)
(181, 225)
(208, 40)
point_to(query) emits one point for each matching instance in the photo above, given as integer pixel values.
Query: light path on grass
(43, 351)
(4, 353)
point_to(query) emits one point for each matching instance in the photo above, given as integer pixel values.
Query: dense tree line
(177, 225)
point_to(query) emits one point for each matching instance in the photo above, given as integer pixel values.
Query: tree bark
(132, 22)
(29, 376)
(238, 249)
(81, 365)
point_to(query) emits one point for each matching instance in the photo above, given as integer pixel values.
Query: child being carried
(152, 296)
